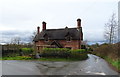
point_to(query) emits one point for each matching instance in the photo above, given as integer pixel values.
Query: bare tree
(32, 36)
(111, 29)
(16, 40)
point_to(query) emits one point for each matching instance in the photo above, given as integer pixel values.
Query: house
(59, 38)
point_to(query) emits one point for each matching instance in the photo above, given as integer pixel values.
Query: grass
(115, 63)
(40, 59)
(17, 58)
(0, 58)
(58, 59)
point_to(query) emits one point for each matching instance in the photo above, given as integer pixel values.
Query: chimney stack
(43, 25)
(38, 30)
(78, 23)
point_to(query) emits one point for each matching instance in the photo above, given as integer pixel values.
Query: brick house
(59, 38)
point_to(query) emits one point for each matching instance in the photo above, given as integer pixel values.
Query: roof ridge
(61, 29)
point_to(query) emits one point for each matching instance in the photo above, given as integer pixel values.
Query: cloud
(7, 36)
(94, 35)
(21, 17)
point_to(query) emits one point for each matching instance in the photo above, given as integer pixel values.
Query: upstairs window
(45, 37)
(68, 37)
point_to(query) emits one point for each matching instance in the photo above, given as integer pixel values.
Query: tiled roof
(60, 34)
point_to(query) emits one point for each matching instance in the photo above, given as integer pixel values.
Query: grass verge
(115, 63)
(41, 59)
(16, 58)
(0, 58)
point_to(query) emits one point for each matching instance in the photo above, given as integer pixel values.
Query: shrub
(64, 53)
(78, 51)
(110, 50)
(55, 52)
(78, 54)
(26, 51)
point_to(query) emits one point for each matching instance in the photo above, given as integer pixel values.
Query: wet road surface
(92, 66)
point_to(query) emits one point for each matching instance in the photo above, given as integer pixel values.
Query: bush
(79, 54)
(110, 50)
(26, 51)
(78, 50)
(64, 53)
(55, 52)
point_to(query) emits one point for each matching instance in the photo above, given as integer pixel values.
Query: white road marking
(96, 73)
(100, 73)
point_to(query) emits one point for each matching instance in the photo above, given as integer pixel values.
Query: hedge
(26, 51)
(64, 53)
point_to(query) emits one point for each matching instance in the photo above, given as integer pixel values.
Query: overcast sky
(21, 17)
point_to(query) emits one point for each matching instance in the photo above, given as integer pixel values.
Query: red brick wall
(74, 44)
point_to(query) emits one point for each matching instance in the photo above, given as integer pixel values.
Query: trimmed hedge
(26, 51)
(64, 53)
(55, 52)
(78, 51)
(79, 54)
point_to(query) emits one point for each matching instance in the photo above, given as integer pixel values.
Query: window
(68, 38)
(46, 39)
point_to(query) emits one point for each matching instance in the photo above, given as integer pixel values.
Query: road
(92, 66)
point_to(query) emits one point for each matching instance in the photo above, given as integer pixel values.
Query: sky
(20, 18)
(119, 22)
